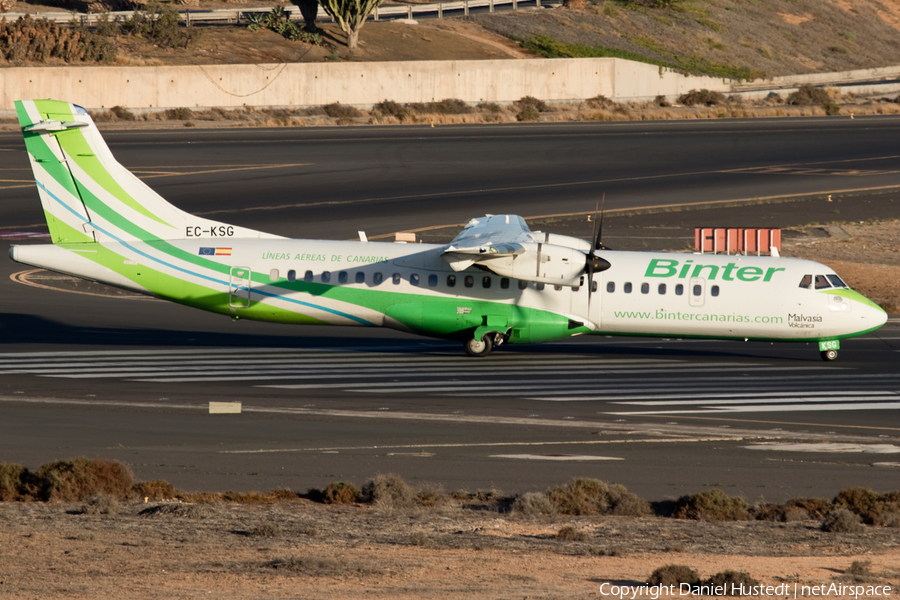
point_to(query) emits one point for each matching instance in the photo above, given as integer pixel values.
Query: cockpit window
(836, 281)
(822, 282)
(806, 281)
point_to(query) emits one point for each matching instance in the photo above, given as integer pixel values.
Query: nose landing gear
(829, 355)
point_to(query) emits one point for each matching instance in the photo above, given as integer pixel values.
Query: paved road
(82, 374)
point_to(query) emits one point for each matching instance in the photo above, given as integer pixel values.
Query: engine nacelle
(542, 263)
(566, 241)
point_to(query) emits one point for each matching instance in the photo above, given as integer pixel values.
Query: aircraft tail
(87, 195)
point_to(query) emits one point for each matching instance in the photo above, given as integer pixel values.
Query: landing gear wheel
(829, 355)
(479, 348)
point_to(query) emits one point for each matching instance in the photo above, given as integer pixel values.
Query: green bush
(162, 26)
(714, 505)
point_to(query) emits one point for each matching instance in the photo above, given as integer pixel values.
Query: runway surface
(132, 379)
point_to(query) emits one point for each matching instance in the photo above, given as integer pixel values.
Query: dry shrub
(100, 504)
(389, 108)
(81, 478)
(532, 504)
(432, 495)
(389, 492)
(321, 567)
(796, 509)
(859, 568)
(11, 481)
(809, 95)
(585, 496)
(674, 575)
(868, 504)
(704, 97)
(888, 519)
(714, 505)
(733, 582)
(531, 102)
(529, 113)
(336, 110)
(266, 530)
(662, 101)
(182, 511)
(38, 40)
(570, 534)
(340, 492)
(600, 102)
(178, 114)
(489, 107)
(156, 489)
(449, 106)
(841, 520)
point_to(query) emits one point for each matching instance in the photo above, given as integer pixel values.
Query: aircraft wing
(505, 245)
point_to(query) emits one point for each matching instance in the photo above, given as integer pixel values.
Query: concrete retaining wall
(309, 84)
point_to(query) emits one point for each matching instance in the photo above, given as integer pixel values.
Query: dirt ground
(307, 550)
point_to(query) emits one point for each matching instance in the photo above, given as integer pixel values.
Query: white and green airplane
(497, 282)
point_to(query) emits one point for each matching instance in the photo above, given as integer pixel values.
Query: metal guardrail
(382, 13)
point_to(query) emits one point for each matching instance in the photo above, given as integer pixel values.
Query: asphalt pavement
(118, 377)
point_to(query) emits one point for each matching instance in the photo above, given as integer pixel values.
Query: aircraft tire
(479, 348)
(829, 355)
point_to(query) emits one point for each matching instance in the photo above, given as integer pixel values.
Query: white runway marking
(557, 457)
(829, 447)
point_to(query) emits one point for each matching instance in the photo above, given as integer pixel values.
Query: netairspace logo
(784, 590)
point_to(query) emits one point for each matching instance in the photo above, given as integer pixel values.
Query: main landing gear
(829, 355)
(479, 347)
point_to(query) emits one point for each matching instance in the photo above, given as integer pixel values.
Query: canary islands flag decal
(215, 251)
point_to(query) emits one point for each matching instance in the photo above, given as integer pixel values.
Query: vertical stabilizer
(87, 195)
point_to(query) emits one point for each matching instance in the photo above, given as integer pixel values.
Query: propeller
(595, 264)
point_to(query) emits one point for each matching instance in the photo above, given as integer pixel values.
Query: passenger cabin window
(594, 285)
(486, 282)
(661, 289)
(504, 283)
(822, 282)
(523, 284)
(627, 288)
(836, 281)
(645, 288)
(451, 280)
(469, 281)
(714, 290)
(342, 277)
(414, 279)
(395, 278)
(610, 286)
(360, 277)
(698, 290)
(679, 290)
(377, 278)
(326, 276)
(432, 280)
(273, 275)
(292, 275)
(308, 276)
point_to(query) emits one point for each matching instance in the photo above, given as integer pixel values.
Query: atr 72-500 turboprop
(497, 282)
